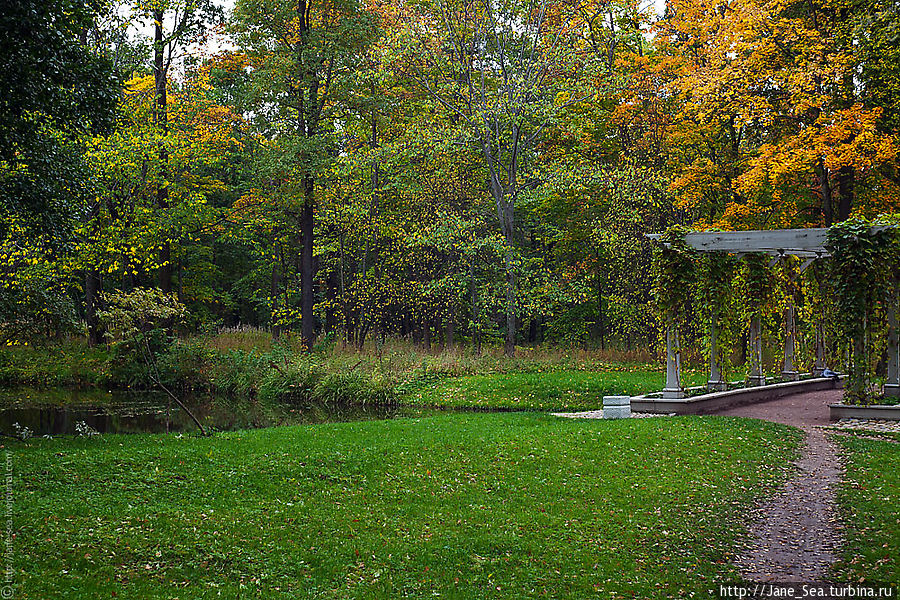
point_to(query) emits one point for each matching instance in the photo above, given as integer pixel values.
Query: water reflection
(61, 412)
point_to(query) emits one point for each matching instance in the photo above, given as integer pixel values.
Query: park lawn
(870, 504)
(539, 390)
(471, 505)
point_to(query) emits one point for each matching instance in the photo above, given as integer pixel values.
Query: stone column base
(672, 394)
(756, 380)
(790, 375)
(892, 390)
(717, 386)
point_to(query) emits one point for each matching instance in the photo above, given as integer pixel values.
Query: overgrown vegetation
(230, 364)
(471, 506)
(865, 268)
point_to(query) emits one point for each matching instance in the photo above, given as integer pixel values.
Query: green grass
(457, 505)
(870, 503)
(550, 390)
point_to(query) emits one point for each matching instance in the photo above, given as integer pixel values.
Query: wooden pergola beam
(805, 243)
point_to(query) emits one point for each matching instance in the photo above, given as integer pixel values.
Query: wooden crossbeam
(805, 243)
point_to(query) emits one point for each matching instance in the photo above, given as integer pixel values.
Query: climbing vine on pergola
(863, 273)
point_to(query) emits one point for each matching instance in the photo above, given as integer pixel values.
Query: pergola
(807, 244)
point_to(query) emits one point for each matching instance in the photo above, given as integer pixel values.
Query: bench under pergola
(806, 244)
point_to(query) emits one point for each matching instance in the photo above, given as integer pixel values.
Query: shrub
(354, 388)
(294, 383)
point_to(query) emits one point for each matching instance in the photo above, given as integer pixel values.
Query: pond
(73, 412)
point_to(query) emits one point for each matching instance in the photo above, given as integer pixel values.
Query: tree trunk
(273, 294)
(91, 291)
(600, 320)
(825, 193)
(307, 269)
(330, 297)
(846, 188)
(510, 348)
(476, 316)
(162, 124)
(449, 332)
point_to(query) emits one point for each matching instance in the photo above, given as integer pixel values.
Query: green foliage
(128, 315)
(349, 510)
(294, 383)
(864, 255)
(66, 363)
(674, 269)
(757, 285)
(717, 300)
(36, 305)
(353, 387)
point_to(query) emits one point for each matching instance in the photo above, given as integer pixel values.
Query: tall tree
(176, 23)
(502, 69)
(774, 128)
(58, 90)
(301, 54)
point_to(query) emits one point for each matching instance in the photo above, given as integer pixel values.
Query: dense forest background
(469, 170)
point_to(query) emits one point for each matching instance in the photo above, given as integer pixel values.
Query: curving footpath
(796, 534)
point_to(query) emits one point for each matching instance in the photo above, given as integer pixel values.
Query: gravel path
(796, 533)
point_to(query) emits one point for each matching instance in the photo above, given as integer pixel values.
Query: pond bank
(29, 412)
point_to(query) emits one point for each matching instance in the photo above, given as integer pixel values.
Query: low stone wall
(848, 411)
(716, 401)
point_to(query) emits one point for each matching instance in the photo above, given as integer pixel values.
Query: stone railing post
(616, 407)
(673, 387)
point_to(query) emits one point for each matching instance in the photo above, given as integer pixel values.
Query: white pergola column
(756, 376)
(892, 379)
(715, 383)
(789, 371)
(819, 366)
(673, 387)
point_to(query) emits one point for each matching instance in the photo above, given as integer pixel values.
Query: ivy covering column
(716, 298)
(758, 280)
(674, 266)
(864, 258)
(892, 377)
(788, 367)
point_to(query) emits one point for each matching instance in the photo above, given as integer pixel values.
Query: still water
(67, 412)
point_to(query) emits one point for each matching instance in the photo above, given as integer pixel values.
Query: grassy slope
(553, 390)
(458, 505)
(870, 501)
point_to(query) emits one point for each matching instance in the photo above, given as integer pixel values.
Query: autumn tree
(774, 128)
(124, 229)
(176, 23)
